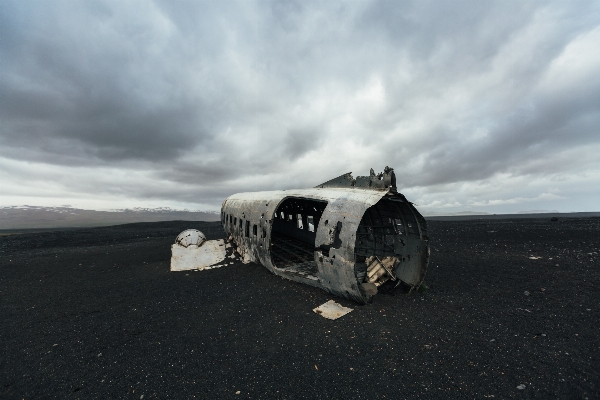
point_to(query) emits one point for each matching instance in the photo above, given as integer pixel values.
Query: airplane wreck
(347, 236)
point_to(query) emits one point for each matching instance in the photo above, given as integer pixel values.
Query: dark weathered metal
(325, 236)
(383, 180)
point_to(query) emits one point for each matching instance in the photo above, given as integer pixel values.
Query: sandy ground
(95, 313)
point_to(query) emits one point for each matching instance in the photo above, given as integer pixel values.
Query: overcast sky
(478, 106)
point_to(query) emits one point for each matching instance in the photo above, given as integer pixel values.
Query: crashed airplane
(347, 236)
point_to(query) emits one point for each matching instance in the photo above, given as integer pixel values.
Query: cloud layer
(486, 106)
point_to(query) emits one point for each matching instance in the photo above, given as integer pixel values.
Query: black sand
(95, 313)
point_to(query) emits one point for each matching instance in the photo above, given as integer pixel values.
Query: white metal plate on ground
(209, 253)
(332, 310)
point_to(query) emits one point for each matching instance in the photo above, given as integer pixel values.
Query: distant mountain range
(32, 217)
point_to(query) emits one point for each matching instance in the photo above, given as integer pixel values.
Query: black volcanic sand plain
(95, 313)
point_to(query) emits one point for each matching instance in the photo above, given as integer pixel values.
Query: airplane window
(311, 223)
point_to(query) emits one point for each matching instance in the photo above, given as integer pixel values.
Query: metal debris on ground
(380, 271)
(332, 310)
(191, 251)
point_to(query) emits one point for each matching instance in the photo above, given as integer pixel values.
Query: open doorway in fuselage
(293, 235)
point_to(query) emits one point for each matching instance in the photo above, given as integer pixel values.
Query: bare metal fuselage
(345, 240)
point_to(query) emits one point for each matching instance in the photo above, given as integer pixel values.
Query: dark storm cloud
(207, 98)
(106, 127)
(99, 82)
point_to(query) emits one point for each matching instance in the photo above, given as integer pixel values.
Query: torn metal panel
(342, 181)
(380, 271)
(332, 310)
(385, 180)
(330, 235)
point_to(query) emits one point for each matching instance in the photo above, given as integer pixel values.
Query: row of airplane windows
(233, 220)
(310, 221)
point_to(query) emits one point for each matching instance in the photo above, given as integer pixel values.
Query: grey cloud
(110, 99)
(301, 140)
(105, 130)
(203, 94)
(541, 130)
(447, 40)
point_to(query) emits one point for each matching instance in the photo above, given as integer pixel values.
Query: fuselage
(343, 240)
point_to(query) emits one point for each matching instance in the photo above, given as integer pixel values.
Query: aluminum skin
(345, 236)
